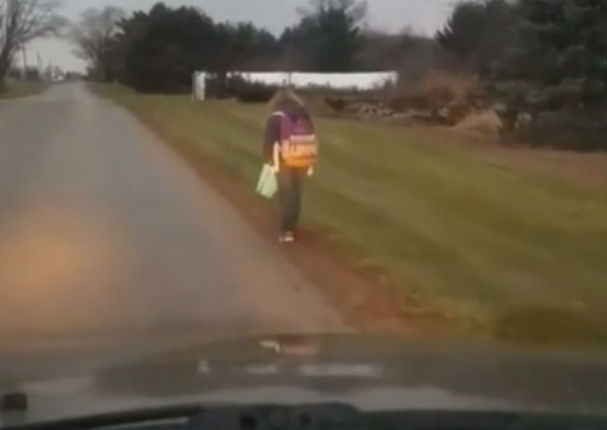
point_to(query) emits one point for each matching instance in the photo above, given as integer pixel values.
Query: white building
(338, 81)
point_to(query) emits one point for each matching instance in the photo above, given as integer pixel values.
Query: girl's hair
(284, 96)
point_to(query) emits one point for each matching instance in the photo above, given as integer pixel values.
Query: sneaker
(288, 237)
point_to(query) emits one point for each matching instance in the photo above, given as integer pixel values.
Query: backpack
(298, 142)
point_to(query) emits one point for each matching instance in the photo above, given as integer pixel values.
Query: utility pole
(24, 53)
(39, 63)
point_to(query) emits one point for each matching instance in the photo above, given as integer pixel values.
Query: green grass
(495, 245)
(17, 89)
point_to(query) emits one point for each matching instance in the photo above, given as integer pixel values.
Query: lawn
(496, 245)
(16, 89)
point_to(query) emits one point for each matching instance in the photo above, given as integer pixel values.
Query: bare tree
(21, 21)
(94, 36)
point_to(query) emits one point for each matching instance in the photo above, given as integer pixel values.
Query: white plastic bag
(268, 185)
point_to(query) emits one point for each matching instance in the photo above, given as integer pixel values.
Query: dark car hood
(369, 372)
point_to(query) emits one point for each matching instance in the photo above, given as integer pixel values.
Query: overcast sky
(424, 16)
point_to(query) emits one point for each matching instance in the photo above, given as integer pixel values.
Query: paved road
(105, 233)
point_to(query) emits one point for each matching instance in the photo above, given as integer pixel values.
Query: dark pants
(290, 182)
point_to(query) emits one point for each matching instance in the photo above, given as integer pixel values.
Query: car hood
(369, 372)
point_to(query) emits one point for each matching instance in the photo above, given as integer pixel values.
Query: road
(106, 234)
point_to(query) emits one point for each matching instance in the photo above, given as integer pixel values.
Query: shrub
(220, 86)
(582, 131)
(251, 92)
(433, 91)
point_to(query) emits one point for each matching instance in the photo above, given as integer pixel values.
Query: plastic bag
(268, 185)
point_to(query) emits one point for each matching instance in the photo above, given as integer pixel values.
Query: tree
(564, 41)
(245, 47)
(95, 36)
(562, 62)
(481, 34)
(328, 35)
(463, 30)
(409, 53)
(22, 21)
(162, 48)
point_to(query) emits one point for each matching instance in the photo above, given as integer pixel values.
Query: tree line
(557, 45)
(158, 50)
(541, 56)
(544, 57)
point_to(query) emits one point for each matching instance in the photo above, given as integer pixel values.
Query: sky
(424, 16)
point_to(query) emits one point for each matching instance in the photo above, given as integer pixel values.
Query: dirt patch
(537, 324)
(483, 124)
(365, 302)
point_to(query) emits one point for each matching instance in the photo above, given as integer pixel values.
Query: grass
(17, 89)
(498, 246)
